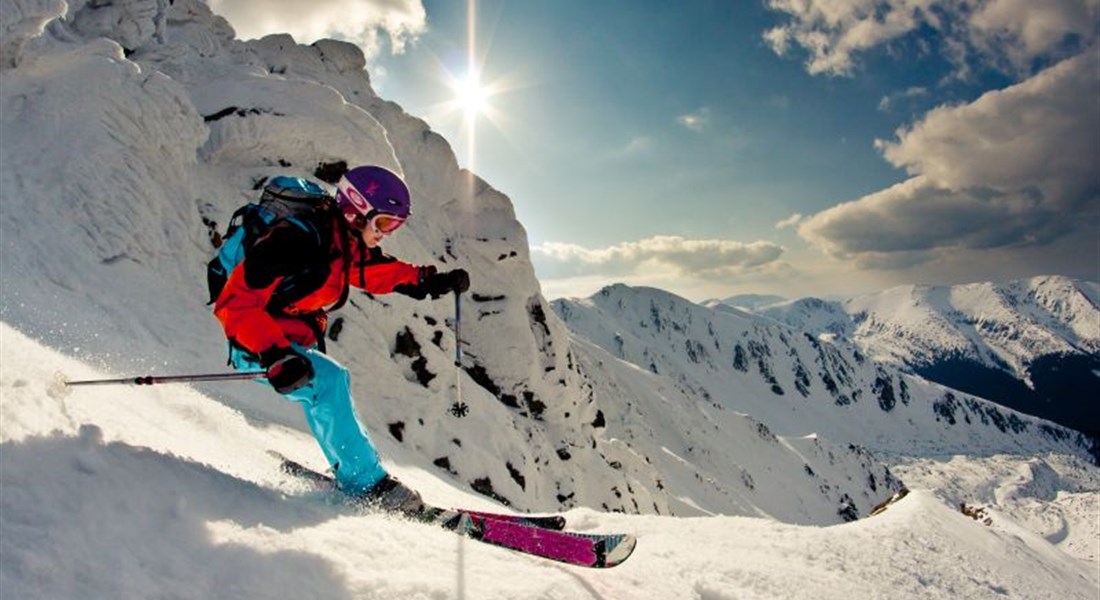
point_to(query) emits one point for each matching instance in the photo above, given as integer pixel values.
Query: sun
(471, 97)
(472, 92)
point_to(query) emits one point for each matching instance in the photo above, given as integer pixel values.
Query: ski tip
(620, 552)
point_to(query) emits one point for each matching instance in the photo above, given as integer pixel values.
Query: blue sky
(713, 148)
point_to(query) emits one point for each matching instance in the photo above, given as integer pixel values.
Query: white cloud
(358, 21)
(888, 102)
(1007, 34)
(1013, 32)
(695, 121)
(903, 224)
(776, 277)
(1040, 133)
(790, 221)
(667, 254)
(833, 31)
(1015, 168)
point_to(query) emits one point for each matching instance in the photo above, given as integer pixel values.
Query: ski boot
(391, 495)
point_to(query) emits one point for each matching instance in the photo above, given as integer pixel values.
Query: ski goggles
(383, 223)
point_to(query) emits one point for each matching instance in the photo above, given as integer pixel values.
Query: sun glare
(470, 95)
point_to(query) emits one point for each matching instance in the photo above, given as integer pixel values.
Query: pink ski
(580, 549)
(540, 536)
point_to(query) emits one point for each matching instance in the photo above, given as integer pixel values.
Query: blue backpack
(293, 199)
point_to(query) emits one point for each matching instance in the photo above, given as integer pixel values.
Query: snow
(164, 492)
(798, 385)
(1005, 325)
(1051, 495)
(133, 129)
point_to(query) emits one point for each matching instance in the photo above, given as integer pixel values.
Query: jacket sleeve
(242, 305)
(243, 315)
(381, 273)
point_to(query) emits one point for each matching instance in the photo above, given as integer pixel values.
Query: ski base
(540, 536)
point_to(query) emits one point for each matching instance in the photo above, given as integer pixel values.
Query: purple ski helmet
(364, 192)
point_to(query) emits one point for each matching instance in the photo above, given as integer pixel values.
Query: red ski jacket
(289, 280)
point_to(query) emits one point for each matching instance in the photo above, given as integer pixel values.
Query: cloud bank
(361, 22)
(672, 255)
(1016, 167)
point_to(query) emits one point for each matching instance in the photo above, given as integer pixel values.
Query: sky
(792, 147)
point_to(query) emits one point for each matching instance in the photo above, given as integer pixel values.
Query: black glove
(438, 284)
(287, 369)
(416, 290)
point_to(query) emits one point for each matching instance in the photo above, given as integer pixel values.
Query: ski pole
(154, 379)
(459, 408)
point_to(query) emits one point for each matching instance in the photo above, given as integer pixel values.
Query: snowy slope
(812, 315)
(797, 384)
(1031, 344)
(163, 492)
(1009, 324)
(1006, 325)
(1052, 495)
(970, 450)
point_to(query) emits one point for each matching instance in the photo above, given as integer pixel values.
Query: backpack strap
(345, 248)
(312, 319)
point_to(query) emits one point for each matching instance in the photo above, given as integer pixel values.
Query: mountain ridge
(1030, 344)
(790, 379)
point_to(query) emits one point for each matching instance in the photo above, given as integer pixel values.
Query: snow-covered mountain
(797, 384)
(131, 130)
(144, 125)
(1033, 344)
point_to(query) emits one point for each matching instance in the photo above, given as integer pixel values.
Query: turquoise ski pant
(332, 419)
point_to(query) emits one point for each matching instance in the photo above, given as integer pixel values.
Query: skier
(274, 307)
